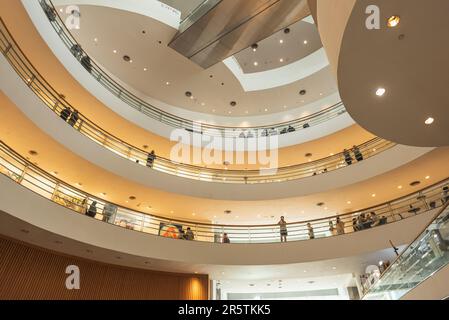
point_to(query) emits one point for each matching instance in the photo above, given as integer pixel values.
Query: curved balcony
(35, 179)
(53, 100)
(170, 119)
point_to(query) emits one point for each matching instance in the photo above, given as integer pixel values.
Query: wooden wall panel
(33, 273)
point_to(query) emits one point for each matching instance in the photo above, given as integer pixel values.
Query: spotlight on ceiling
(380, 92)
(393, 21)
(429, 121)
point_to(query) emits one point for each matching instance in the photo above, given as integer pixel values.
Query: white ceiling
(288, 47)
(410, 61)
(212, 89)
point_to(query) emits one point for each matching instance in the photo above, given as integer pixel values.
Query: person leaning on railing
(226, 238)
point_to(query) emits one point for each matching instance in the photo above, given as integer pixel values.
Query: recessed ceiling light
(96, 39)
(429, 121)
(254, 47)
(349, 202)
(334, 268)
(256, 63)
(380, 92)
(167, 83)
(427, 177)
(393, 21)
(285, 107)
(194, 214)
(306, 42)
(115, 51)
(203, 104)
(281, 41)
(373, 195)
(246, 111)
(145, 69)
(266, 109)
(281, 60)
(399, 187)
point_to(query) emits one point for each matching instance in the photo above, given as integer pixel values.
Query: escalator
(218, 29)
(423, 258)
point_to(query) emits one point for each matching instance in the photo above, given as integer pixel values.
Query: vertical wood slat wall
(32, 273)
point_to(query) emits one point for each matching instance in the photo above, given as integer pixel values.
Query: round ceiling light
(233, 103)
(254, 46)
(429, 121)
(380, 92)
(393, 21)
(188, 94)
(127, 58)
(302, 92)
(287, 30)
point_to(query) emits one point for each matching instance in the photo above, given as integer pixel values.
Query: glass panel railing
(20, 170)
(172, 120)
(425, 256)
(56, 102)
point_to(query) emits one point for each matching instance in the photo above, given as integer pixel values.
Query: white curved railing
(35, 179)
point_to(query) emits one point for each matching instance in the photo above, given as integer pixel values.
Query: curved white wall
(79, 144)
(95, 88)
(27, 206)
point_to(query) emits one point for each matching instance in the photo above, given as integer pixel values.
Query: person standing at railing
(189, 234)
(340, 226)
(92, 212)
(65, 114)
(226, 238)
(310, 230)
(348, 158)
(374, 219)
(358, 155)
(150, 159)
(283, 229)
(74, 117)
(86, 63)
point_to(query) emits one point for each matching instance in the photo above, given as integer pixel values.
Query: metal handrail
(27, 174)
(170, 119)
(52, 99)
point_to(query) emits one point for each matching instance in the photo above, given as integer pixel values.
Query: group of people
(357, 155)
(187, 235)
(78, 53)
(70, 116)
(367, 221)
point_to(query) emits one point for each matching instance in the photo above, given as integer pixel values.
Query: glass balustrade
(23, 172)
(425, 256)
(56, 102)
(172, 120)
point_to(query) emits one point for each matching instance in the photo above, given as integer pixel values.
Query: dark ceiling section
(233, 25)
